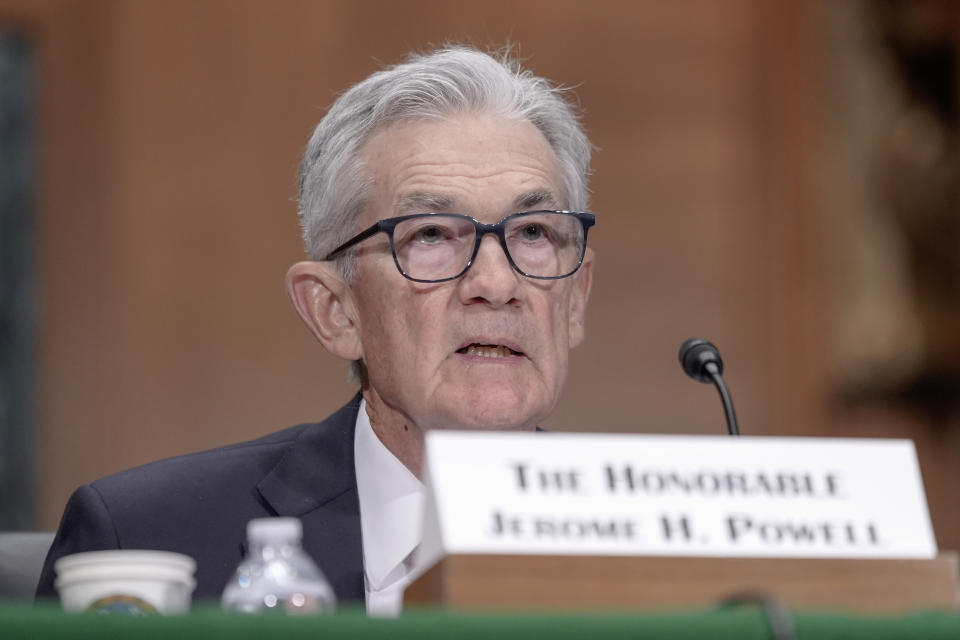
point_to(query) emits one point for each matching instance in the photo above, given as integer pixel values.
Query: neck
(398, 433)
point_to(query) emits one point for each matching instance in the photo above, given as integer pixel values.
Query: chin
(490, 405)
(495, 414)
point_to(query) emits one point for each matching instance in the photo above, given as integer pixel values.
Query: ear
(582, 281)
(325, 304)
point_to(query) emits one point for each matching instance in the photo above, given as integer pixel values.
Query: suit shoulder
(228, 474)
(248, 455)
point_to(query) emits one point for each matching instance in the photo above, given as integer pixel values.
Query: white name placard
(551, 493)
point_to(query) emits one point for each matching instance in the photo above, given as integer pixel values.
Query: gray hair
(333, 183)
(454, 80)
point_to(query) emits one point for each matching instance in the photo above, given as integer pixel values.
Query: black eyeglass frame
(387, 225)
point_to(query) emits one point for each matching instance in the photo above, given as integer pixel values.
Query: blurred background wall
(779, 177)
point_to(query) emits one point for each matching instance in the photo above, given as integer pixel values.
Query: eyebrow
(424, 202)
(534, 199)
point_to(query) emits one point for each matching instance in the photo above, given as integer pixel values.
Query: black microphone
(701, 361)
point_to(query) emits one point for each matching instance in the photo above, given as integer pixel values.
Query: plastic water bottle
(277, 574)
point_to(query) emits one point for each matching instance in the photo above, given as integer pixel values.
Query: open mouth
(488, 351)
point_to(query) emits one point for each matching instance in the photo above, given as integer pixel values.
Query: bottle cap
(274, 530)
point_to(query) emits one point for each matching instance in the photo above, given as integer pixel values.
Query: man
(446, 267)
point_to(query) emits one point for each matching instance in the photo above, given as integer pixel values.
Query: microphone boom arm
(725, 398)
(701, 361)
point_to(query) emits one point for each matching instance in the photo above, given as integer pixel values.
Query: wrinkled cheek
(559, 374)
(390, 371)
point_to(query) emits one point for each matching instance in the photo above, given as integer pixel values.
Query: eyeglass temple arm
(360, 237)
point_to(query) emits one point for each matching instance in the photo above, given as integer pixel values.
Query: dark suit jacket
(199, 504)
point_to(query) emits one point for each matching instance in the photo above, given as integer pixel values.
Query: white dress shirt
(391, 509)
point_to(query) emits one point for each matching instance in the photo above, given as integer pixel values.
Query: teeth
(485, 351)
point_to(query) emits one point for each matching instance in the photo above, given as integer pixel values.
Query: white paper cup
(126, 581)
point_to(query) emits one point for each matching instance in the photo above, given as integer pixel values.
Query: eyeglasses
(436, 247)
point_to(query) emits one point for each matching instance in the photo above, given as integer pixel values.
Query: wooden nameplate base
(535, 582)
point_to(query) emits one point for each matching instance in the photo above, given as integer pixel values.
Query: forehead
(462, 163)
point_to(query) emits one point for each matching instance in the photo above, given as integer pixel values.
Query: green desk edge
(42, 622)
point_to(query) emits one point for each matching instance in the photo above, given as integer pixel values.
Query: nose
(491, 279)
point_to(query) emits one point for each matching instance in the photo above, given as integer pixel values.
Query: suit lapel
(316, 482)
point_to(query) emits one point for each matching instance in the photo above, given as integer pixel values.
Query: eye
(532, 231)
(430, 234)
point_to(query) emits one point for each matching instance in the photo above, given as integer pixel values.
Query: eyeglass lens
(439, 246)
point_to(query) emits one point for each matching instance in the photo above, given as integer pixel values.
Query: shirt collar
(391, 504)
